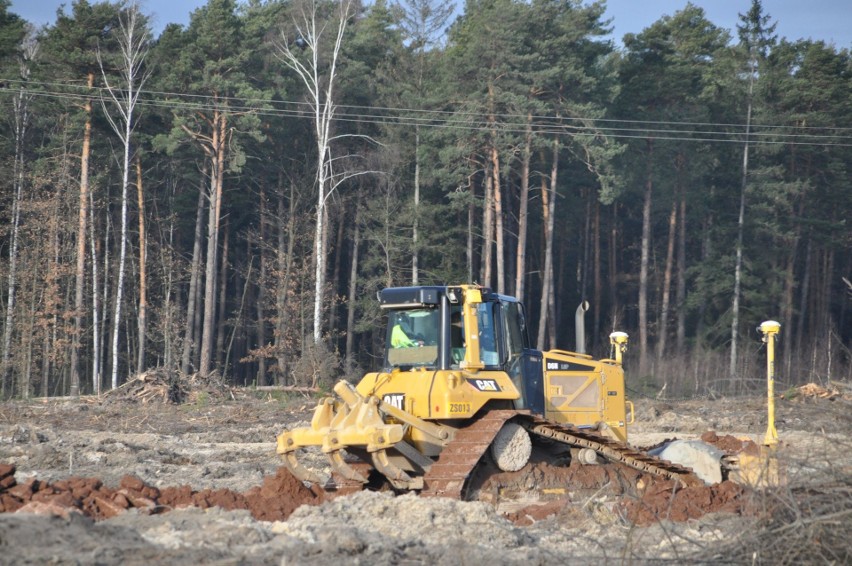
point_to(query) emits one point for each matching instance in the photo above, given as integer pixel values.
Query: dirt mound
(641, 498)
(730, 445)
(667, 500)
(638, 497)
(274, 500)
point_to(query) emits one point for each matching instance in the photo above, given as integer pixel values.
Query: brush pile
(160, 385)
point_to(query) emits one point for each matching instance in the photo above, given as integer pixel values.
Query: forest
(226, 198)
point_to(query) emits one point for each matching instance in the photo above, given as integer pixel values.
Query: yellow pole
(770, 330)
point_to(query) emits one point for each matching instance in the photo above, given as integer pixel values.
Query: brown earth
(201, 483)
(642, 498)
(274, 500)
(730, 444)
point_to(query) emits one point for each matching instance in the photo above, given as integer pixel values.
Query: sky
(827, 20)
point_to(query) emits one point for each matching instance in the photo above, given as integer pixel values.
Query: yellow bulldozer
(461, 384)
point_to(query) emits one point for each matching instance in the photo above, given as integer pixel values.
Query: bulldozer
(460, 386)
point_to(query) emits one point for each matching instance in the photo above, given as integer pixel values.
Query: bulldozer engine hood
(439, 394)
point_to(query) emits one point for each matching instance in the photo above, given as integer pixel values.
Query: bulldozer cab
(412, 338)
(465, 328)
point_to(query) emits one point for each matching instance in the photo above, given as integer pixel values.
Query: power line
(475, 121)
(432, 112)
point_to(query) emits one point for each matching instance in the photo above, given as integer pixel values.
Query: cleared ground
(224, 448)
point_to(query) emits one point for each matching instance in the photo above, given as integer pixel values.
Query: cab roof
(430, 296)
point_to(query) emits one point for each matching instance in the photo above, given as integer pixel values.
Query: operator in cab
(399, 338)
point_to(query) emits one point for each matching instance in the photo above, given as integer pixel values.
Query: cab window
(412, 338)
(488, 350)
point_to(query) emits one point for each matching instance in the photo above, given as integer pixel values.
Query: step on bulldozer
(460, 384)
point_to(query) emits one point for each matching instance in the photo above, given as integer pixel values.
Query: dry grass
(806, 523)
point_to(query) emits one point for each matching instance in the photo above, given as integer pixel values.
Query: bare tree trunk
(421, 24)
(104, 245)
(285, 265)
(80, 272)
(827, 280)
(598, 280)
(353, 290)
(51, 292)
(26, 382)
(11, 286)
(319, 262)
(556, 283)
(335, 277)
(415, 250)
(787, 306)
(735, 308)
(190, 337)
(667, 283)
(387, 240)
(97, 339)
(790, 283)
(645, 262)
(168, 266)
(322, 103)
(681, 274)
(21, 123)
(208, 327)
(586, 239)
(143, 271)
(548, 200)
(122, 259)
(495, 203)
(523, 213)
(487, 228)
(471, 220)
(613, 268)
(238, 325)
(221, 315)
(260, 380)
(55, 301)
(805, 313)
(132, 43)
(498, 221)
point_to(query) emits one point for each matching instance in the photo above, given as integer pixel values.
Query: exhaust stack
(580, 327)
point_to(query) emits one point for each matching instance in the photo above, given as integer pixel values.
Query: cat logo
(394, 400)
(484, 384)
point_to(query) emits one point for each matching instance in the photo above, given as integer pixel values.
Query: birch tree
(71, 48)
(422, 22)
(132, 41)
(755, 36)
(27, 51)
(304, 55)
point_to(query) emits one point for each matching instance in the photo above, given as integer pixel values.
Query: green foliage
(12, 30)
(427, 102)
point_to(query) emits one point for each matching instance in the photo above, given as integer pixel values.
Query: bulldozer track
(448, 476)
(610, 449)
